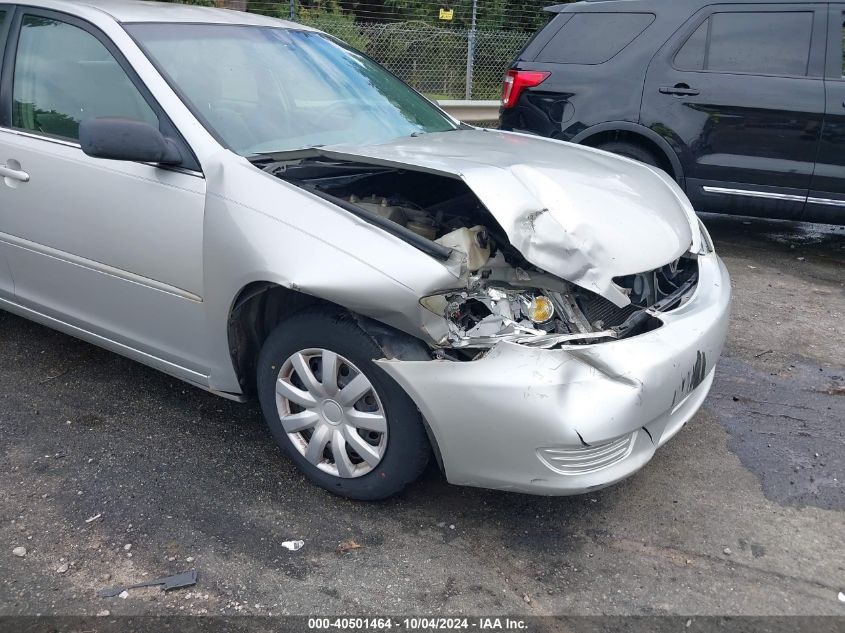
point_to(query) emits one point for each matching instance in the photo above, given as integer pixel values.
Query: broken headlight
(484, 316)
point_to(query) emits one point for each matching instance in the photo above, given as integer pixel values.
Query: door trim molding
(829, 201)
(98, 267)
(751, 193)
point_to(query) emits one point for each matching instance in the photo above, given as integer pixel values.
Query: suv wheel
(630, 150)
(344, 422)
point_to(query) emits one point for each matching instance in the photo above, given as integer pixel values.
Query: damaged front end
(500, 295)
(581, 316)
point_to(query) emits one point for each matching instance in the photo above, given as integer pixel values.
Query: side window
(63, 75)
(594, 38)
(762, 43)
(843, 44)
(691, 55)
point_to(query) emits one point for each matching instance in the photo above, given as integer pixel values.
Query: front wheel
(344, 422)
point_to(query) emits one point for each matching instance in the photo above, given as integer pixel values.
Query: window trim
(4, 26)
(835, 67)
(189, 163)
(815, 54)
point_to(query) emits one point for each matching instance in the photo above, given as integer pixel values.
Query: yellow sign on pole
(447, 14)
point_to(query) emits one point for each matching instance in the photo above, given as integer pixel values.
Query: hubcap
(331, 412)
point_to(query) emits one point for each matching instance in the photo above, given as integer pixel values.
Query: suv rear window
(594, 38)
(762, 43)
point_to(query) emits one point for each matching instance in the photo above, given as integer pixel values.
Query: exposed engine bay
(502, 295)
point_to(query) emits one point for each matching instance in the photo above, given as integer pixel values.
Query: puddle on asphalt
(786, 428)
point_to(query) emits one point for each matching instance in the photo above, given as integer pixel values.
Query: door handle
(14, 174)
(678, 89)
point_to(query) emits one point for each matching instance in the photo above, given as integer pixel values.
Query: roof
(138, 11)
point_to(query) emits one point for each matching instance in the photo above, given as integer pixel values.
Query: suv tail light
(516, 81)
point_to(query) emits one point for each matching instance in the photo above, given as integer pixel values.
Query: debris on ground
(61, 569)
(93, 518)
(348, 546)
(168, 583)
(19, 552)
(104, 613)
(727, 551)
(526, 598)
(841, 597)
(293, 545)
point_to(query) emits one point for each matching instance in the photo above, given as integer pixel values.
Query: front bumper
(571, 420)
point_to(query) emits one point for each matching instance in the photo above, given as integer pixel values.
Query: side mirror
(127, 139)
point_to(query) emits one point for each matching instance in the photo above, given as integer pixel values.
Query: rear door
(738, 91)
(827, 191)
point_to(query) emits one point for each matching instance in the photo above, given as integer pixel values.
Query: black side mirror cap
(127, 139)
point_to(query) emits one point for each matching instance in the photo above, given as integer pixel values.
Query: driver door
(109, 249)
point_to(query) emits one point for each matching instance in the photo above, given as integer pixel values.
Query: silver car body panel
(578, 213)
(148, 262)
(645, 387)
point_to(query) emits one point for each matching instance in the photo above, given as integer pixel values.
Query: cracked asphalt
(112, 473)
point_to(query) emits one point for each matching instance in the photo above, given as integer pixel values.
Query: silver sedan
(254, 208)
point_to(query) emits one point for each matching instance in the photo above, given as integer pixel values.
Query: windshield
(265, 89)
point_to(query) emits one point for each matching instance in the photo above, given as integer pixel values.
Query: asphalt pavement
(112, 473)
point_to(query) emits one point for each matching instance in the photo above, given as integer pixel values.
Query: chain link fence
(434, 60)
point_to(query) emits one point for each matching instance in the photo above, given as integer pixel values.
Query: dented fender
(260, 229)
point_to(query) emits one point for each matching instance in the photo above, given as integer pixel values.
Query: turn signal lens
(540, 309)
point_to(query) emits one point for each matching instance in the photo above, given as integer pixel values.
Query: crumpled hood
(575, 212)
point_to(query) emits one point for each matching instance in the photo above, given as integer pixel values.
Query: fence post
(470, 53)
(292, 10)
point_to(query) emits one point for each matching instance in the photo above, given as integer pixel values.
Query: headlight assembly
(484, 317)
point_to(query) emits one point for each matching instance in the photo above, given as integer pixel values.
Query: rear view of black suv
(742, 103)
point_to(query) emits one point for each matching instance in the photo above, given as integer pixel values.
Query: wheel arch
(634, 133)
(256, 309)
(260, 306)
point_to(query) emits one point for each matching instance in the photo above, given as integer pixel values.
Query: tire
(631, 150)
(304, 344)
